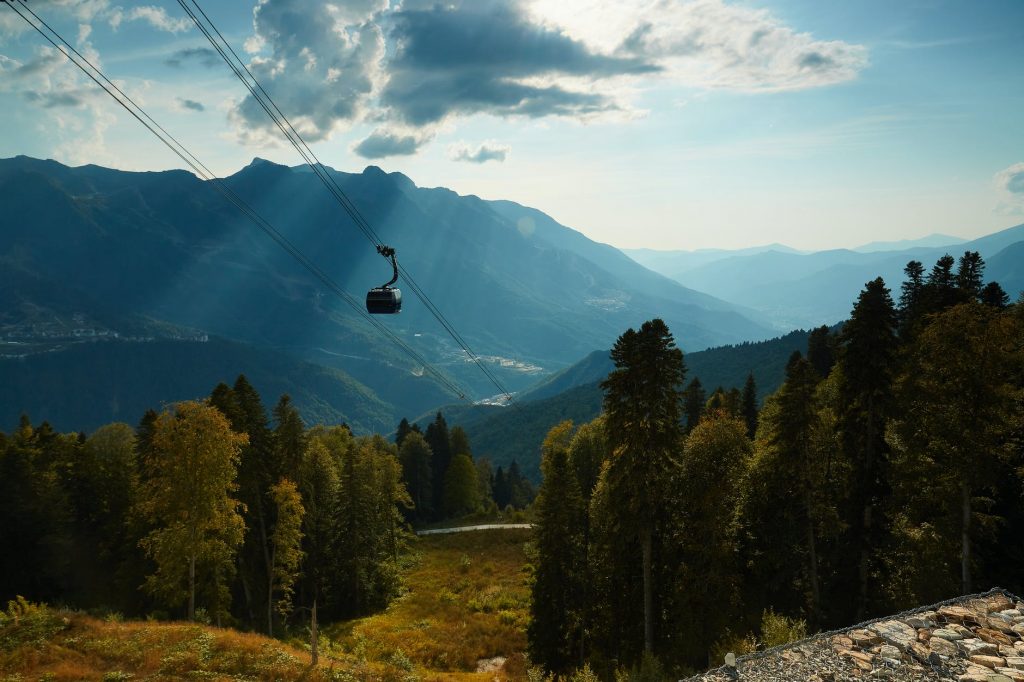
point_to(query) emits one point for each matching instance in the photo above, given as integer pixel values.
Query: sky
(664, 124)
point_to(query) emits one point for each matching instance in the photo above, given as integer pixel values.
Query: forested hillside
(885, 472)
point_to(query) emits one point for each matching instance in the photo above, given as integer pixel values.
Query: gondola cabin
(384, 301)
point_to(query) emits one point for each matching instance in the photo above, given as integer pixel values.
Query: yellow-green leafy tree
(285, 549)
(187, 494)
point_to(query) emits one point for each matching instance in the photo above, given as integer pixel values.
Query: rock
(958, 613)
(947, 634)
(1015, 662)
(890, 652)
(919, 622)
(1012, 673)
(977, 647)
(1007, 651)
(864, 638)
(993, 636)
(924, 635)
(989, 661)
(895, 632)
(843, 641)
(942, 647)
(998, 602)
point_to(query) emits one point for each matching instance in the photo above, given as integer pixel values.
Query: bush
(26, 623)
(777, 629)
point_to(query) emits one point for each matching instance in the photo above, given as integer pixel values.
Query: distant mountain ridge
(793, 289)
(93, 243)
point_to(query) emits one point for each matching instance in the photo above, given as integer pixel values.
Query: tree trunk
(648, 592)
(865, 550)
(313, 637)
(965, 538)
(192, 588)
(270, 596)
(812, 555)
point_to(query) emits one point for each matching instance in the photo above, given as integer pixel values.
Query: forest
(886, 472)
(216, 511)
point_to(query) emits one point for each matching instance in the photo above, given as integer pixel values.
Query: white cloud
(156, 17)
(1010, 183)
(481, 153)
(707, 43)
(310, 44)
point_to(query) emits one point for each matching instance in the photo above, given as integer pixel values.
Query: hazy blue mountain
(106, 246)
(677, 262)
(807, 289)
(933, 240)
(1007, 268)
(504, 434)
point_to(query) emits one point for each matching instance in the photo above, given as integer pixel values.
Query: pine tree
(940, 291)
(912, 292)
(969, 273)
(643, 410)
(289, 439)
(187, 485)
(821, 350)
(694, 400)
(749, 411)
(438, 440)
(868, 361)
(502, 492)
(556, 604)
(415, 457)
(993, 295)
(402, 431)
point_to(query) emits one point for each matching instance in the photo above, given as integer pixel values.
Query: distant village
(20, 340)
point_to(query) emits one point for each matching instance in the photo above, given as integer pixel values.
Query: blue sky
(673, 124)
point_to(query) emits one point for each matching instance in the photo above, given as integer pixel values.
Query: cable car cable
(295, 138)
(203, 172)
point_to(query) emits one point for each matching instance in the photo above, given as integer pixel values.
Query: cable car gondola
(385, 300)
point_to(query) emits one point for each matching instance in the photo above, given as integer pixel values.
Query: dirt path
(460, 529)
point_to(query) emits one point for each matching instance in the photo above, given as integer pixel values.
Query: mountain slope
(504, 434)
(87, 385)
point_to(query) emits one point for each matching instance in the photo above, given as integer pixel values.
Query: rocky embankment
(976, 638)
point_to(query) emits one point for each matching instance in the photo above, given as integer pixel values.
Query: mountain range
(114, 259)
(793, 289)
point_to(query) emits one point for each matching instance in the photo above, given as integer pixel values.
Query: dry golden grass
(466, 599)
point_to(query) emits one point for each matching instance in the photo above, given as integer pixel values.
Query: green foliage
(559, 572)
(285, 544)
(461, 487)
(417, 471)
(188, 475)
(778, 629)
(25, 623)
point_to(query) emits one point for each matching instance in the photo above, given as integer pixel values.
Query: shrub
(777, 629)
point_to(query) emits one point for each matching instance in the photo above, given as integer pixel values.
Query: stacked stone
(978, 639)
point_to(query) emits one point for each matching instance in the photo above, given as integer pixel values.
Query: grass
(466, 601)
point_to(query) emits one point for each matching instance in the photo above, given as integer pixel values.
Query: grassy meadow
(464, 609)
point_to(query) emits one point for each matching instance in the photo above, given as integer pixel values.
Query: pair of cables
(203, 172)
(238, 67)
